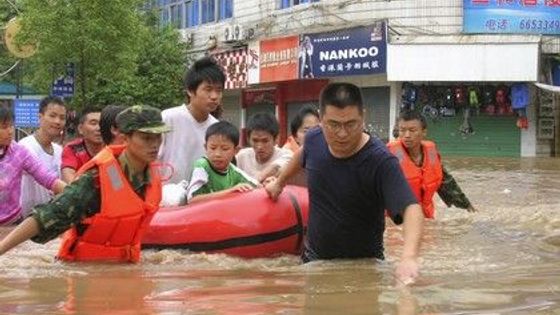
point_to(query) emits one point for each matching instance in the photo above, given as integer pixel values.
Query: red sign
(279, 59)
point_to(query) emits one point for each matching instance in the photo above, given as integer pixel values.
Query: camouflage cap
(141, 118)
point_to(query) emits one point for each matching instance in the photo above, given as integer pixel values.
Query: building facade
(433, 58)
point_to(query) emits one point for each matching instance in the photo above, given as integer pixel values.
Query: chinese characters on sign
(355, 51)
(63, 86)
(26, 113)
(278, 59)
(511, 16)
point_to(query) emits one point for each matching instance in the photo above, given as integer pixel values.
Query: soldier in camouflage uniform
(142, 127)
(416, 126)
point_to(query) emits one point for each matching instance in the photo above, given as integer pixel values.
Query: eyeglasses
(349, 126)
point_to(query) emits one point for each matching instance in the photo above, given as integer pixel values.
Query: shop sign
(277, 60)
(26, 113)
(234, 65)
(355, 51)
(63, 86)
(511, 16)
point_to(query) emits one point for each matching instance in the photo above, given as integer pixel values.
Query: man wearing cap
(107, 209)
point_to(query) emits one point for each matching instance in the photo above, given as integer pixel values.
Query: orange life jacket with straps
(114, 233)
(424, 180)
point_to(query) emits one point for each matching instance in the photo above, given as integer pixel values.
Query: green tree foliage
(161, 66)
(120, 55)
(6, 60)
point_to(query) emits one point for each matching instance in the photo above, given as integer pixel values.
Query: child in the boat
(214, 175)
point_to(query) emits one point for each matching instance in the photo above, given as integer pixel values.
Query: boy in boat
(214, 175)
(106, 210)
(264, 158)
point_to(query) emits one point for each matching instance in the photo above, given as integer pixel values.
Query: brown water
(503, 260)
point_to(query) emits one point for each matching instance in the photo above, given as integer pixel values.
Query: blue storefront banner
(355, 51)
(26, 113)
(511, 16)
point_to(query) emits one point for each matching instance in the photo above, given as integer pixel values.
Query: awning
(547, 87)
(463, 58)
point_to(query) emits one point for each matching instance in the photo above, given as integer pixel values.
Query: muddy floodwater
(505, 259)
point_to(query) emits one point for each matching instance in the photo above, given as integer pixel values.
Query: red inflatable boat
(241, 224)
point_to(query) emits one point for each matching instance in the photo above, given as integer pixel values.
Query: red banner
(279, 59)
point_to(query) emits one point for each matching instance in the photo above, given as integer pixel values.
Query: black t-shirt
(348, 198)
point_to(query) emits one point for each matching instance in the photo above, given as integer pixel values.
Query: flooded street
(505, 259)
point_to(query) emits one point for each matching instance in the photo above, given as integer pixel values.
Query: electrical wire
(10, 69)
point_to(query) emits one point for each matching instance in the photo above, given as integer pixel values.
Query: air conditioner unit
(233, 33)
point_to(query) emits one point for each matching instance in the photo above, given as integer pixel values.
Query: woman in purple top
(14, 159)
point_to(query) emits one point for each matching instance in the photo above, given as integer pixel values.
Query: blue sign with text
(355, 51)
(26, 113)
(63, 86)
(511, 16)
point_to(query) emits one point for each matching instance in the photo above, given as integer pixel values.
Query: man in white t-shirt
(204, 85)
(52, 119)
(264, 158)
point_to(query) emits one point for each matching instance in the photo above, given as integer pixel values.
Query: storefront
(448, 74)
(288, 73)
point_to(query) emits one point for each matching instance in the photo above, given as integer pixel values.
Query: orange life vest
(115, 232)
(424, 180)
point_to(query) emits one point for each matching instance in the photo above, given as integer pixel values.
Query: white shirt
(32, 193)
(184, 144)
(247, 161)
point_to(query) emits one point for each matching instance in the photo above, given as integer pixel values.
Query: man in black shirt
(352, 178)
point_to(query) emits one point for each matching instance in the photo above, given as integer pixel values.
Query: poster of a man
(305, 54)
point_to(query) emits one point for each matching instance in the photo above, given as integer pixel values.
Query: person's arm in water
(275, 187)
(451, 193)
(407, 268)
(79, 200)
(403, 208)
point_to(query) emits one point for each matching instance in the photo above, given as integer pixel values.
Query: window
(225, 9)
(171, 12)
(190, 13)
(290, 3)
(208, 10)
(176, 15)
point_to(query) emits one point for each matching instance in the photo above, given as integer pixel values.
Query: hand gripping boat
(241, 224)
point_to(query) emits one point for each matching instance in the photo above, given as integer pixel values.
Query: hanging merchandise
(427, 101)
(473, 97)
(409, 97)
(448, 108)
(460, 97)
(503, 106)
(423, 95)
(488, 100)
(520, 96)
